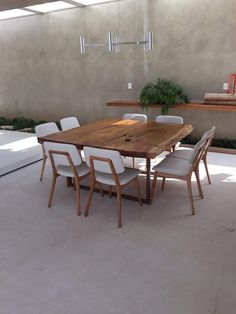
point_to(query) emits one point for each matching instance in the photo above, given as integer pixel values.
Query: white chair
(43, 130)
(187, 153)
(169, 119)
(66, 161)
(181, 169)
(135, 116)
(69, 123)
(107, 167)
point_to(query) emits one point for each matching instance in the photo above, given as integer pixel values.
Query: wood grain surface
(129, 137)
(212, 106)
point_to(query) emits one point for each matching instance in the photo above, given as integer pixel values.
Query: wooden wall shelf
(192, 106)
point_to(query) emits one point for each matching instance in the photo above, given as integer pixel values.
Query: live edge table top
(129, 137)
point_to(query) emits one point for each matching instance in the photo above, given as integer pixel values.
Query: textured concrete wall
(43, 75)
(196, 47)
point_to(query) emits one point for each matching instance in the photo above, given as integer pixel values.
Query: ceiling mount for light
(147, 43)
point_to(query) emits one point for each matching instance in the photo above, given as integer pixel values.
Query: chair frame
(204, 156)
(194, 168)
(45, 157)
(55, 175)
(117, 185)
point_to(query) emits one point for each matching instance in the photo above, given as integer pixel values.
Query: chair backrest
(62, 159)
(210, 135)
(103, 166)
(69, 123)
(199, 146)
(46, 129)
(135, 116)
(204, 143)
(169, 119)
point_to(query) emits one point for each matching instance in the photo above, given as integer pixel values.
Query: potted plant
(163, 92)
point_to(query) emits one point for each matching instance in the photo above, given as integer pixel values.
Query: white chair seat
(66, 161)
(66, 171)
(182, 153)
(182, 169)
(173, 166)
(107, 167)
(125, 177)
(188, 154)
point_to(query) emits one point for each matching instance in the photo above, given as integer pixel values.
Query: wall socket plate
(225, 86)
(130, 86)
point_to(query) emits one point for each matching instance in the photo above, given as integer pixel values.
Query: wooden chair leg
(153, 185)
(54, 179)
(198, 182)
(119, 210)
(74, 183)
(43, 167)
(163, 183)
(139, 192)
(77, 191)
(100, 189)
(190, 195)
(92, 185)
(110, 191)
(206, 167)
(133, 162)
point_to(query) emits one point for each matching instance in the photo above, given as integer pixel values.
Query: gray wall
(43, 75)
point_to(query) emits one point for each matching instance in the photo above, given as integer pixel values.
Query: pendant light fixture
(111, 45)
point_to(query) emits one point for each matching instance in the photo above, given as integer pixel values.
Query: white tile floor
(163, 261)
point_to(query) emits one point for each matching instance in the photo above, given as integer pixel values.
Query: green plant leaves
(217, 142)
(163, 92)
(20, 123)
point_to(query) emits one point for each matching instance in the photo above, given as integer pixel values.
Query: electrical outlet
(225, 86)
(130, 85)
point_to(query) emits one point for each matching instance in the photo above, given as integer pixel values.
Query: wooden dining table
(131, 138)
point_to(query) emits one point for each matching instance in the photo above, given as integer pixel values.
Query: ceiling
(13, 4)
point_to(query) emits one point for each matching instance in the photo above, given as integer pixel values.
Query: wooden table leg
(148, 181)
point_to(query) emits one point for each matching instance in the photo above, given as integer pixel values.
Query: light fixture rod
(147, 42)
(130, 43)
(95, 45)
